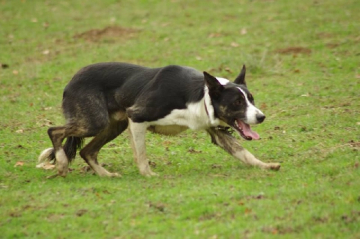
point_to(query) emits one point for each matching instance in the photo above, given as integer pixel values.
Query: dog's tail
(71, 145)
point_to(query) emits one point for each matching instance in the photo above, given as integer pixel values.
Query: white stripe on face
(251, 110)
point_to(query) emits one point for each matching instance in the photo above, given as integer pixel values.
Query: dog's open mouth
(245, 130)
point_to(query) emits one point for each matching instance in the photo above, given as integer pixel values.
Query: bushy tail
(71, 145)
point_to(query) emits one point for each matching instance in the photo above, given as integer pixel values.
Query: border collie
(104, 99)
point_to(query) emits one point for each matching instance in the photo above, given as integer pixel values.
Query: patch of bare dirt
(354, 144)
(325, 35)
(107, 33)
(332, 45)
(294, 50)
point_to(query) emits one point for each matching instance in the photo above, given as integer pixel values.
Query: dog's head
(234, 104)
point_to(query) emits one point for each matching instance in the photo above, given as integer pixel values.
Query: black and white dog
(104, 99)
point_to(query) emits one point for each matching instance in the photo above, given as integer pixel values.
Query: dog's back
(104, 80)
(114, 87)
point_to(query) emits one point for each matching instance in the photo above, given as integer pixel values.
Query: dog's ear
(240, 80)
(215, 88)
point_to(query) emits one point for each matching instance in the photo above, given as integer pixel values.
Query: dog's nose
(260, 118)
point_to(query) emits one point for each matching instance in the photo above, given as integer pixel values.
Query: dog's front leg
(229, 143)
(137, 136)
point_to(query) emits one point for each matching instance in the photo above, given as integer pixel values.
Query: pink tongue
(247, 130)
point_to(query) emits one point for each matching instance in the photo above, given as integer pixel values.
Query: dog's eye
(238, 102)
(251, 99)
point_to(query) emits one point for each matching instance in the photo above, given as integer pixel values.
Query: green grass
(303, 68)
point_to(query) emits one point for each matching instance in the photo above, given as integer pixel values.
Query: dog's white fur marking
(138, 131)
(43, 157)
(194, 116)
(249, 159)
(61, 162)
(251, 110)
(222, 81)
(239, 152)
(102, 172)
(61, 156)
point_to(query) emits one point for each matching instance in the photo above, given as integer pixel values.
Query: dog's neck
(209, 109)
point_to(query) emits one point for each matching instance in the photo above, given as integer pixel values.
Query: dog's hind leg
(90, 151)
(137, 135)
(229, 143)
(57, 135)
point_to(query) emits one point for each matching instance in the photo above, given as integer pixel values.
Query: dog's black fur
(103, 99)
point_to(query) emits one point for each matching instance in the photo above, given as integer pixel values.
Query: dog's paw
(114, 175)
(274, 166)
(154, 174)
(146, 171)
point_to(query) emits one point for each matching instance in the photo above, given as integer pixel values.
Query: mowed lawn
(303, 62)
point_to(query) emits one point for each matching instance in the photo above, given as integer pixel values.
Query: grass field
(303, 61)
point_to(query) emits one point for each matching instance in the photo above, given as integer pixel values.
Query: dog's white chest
(194, 117)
